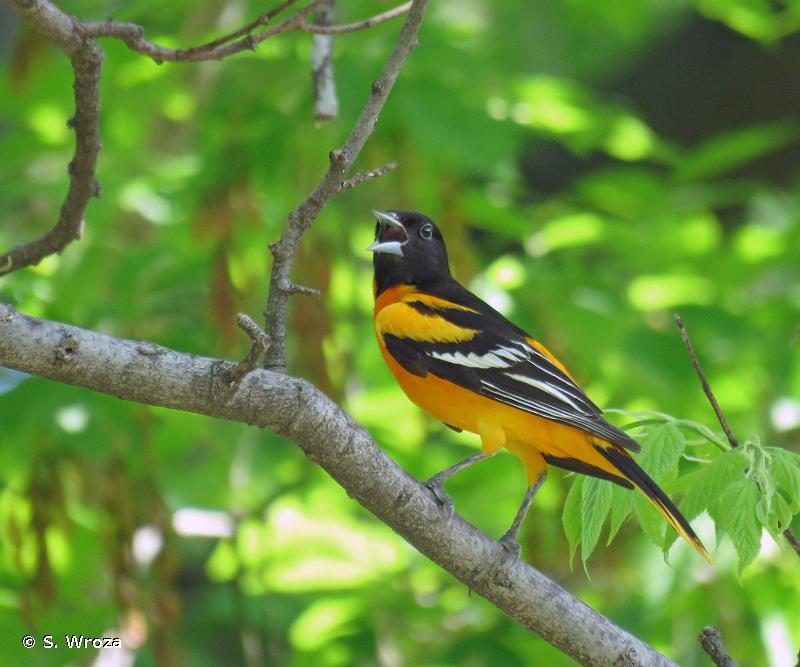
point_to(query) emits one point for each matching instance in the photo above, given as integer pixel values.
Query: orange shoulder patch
(404, 321)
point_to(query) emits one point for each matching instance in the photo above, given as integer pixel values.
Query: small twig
(321, 29)
(788, 533)
(326, 103)
(250, 27)
(341, 161)
(359, 178)
(706, 387)
(243, 39)
(294, 288)
(711, 641)
(260, 344)
(133, 35)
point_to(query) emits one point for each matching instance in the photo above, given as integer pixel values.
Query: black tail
(631, 471)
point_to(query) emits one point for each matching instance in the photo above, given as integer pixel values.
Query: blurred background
(595, 167)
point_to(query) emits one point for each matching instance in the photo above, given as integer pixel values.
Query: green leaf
(652, 522)
(661, 450)
(571, 518)
(596, 502)
(785, 470)
(737, 510)
(621, 508)
(780, 517)
(711, 482)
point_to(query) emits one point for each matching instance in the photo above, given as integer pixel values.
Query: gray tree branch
(86, 58)
(711, 641)
(295, 409)
(341, 161)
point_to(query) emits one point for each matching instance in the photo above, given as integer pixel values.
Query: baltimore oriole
(468, 366)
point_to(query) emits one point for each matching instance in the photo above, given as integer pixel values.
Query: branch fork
(259, 345)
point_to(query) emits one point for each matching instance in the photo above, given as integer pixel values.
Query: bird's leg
(436, 483)
(509, 538)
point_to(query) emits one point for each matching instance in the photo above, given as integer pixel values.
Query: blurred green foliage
(594, 166)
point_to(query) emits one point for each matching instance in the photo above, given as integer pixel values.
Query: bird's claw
(436, 487)
(514, 549)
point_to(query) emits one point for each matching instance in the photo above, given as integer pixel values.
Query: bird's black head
(409, 250)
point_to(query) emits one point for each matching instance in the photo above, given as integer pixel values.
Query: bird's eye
(426, 231)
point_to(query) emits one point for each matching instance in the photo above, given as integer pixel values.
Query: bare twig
(322, 29)
(706, 387)
(711, 641)
(295, 409)
(294, 288)
(788, 533)
(250, 27)
(133, 35)
(243, 39)
(341, 160)
(86, 58)
(363, 176)
(326, 103)
(259, 345)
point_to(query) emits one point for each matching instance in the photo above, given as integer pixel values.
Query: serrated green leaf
(780, 517)
(596, 502)
(650, 519)
(737, 513)
(785, 471)
(661, 450)
(687, 481)
(571, 518)
(763, 510)
(711, 481)
(621, 508)
(782, 513)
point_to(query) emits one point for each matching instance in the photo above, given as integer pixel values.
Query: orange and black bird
(465, 364)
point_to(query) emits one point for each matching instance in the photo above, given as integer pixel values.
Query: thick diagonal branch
(341, 160)
(155, 375)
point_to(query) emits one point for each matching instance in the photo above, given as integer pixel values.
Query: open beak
(391, 236)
